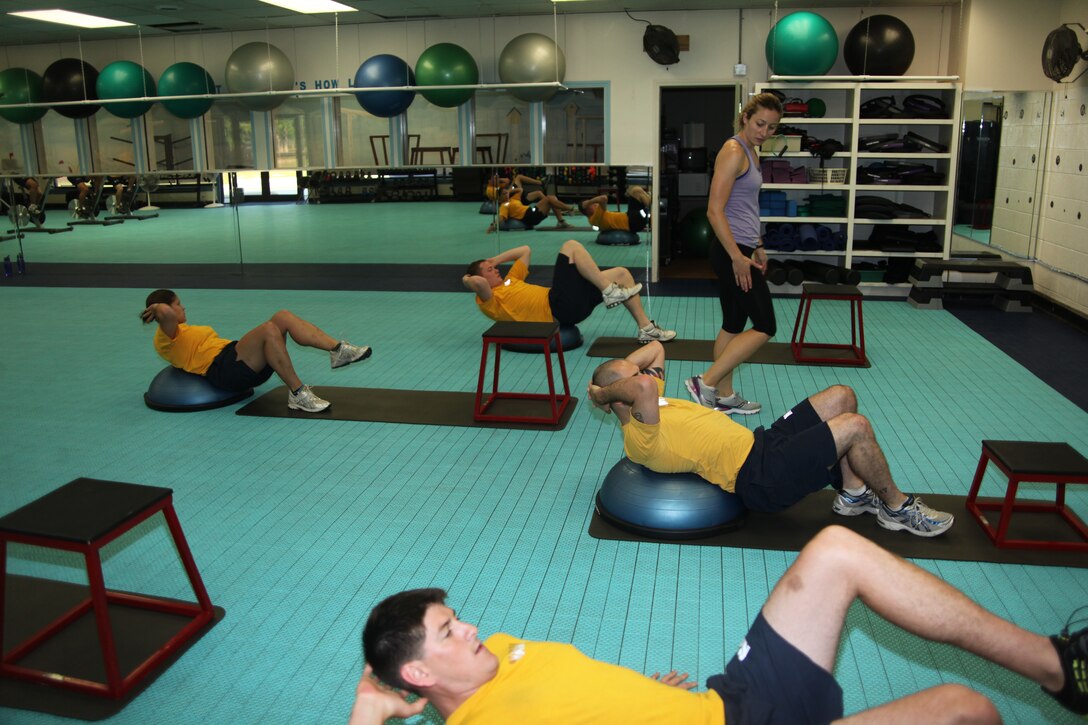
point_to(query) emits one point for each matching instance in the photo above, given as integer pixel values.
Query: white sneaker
(616, 295)
(735, 404)
(347, 353)
(306, 400)
(915, 517)
(653, 332)
(848, 504)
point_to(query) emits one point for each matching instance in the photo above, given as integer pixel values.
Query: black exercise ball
(70, 79)
(879, 45)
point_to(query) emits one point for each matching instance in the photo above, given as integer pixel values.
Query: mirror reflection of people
(738, 258)
(413, 642)
(633, 220)
(578, 286)
(122, 185)
(497, 184)
(511, 206)
(33, 191)
(235, 365)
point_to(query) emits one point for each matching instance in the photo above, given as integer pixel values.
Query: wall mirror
(1002, 148)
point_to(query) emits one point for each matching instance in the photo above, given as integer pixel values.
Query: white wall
(1003, 41)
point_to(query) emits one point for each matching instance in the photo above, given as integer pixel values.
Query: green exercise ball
(446, 64)
(125, 79)
(257, 67)
(802, 44)
(19, 85)
(186, 79)
(696, 234)
(816, 108)
(532, 58)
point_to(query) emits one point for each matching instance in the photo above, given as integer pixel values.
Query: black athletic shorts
(771, 681)
(533, 216)
(796, 456)
(227, 372)
(572, 297)
(738, 307)
(637, 216)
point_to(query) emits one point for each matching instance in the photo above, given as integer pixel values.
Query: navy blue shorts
(738, 306)
(572, 297)
(227, 372)
(771, 681)
(796, 456)
(533, 216)
(637, 216)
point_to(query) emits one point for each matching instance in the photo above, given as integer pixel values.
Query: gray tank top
(742, 207)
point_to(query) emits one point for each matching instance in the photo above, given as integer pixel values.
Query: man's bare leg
(808, 607)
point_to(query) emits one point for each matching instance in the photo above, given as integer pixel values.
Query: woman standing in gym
(738, 258)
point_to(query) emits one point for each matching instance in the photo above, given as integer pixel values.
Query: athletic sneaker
(915, 517)
(736, 404)
(1073, 653)
(562, 225)
(702, 393)
(306, 400)
(653, 332)
(615, 295)
(347, 353)
(847, 504)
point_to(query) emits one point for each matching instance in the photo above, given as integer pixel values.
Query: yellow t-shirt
(490, 192)
(549, 682)
(192, 349)
(605, 220)
(690, 438)
(513, 209)
(516, 300)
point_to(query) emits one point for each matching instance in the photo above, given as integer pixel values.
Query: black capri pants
(738, 306)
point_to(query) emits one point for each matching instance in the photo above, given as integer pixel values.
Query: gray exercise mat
(418, 407)
(773, 353)
(791, 529)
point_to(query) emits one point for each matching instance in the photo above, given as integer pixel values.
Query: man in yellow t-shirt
(513, 206)
(578, 286)
(249, 361)
(780, 674)
(633, 220)
(821, 441)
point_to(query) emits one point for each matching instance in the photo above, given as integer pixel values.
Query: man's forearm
(511, 254)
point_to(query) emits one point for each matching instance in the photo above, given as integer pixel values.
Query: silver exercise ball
(532, 58)
(259, 67)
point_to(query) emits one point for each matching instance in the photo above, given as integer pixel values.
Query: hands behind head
(595, 393)
(375, 702)
(148, 315)
(675, 679)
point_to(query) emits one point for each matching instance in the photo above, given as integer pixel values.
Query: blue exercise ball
(802, 44)
(618, 237)
(381, 71)
(879, 45)
(255, 67)
(532, 58)
(666, 505)
(175, 391)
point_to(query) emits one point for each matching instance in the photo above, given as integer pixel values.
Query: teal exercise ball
(125, 79)
(447, 64)
(186, 79)
(257, 67)
(17, 86)
(532, 58)
(696, 234)
(802, 44)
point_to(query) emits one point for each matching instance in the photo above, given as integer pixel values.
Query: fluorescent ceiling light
(65, 17)
(311, 6)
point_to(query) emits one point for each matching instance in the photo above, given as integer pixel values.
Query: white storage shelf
(844, 100)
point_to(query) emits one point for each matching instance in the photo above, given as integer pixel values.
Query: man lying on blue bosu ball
(821, 441)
